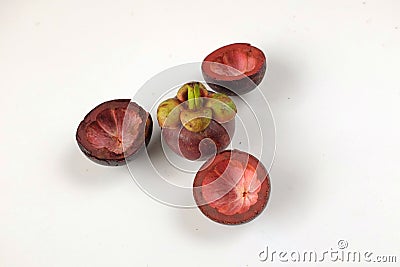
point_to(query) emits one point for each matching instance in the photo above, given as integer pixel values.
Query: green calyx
(196, 120)
(194, 107)
(223, 107)
(182, 94)
(194, 97)
(195, 117)
(168, 113)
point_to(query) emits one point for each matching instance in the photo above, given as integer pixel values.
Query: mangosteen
(234, 69)
(114, 132)
(232, 188)
(197, 123)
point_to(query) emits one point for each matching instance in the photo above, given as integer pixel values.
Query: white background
(333, 86)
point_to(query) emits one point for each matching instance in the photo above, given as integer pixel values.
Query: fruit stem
(197, 95)
(194, 97)
(191, 96)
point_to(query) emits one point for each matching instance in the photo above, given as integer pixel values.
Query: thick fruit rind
(108, 158)
(263, 194)
(239, 85)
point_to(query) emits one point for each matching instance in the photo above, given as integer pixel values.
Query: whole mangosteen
(197, 123)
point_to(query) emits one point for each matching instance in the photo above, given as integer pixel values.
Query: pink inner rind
(263, 194)
(234, 63)
(99, 138)
(231, 188)
(111, 132)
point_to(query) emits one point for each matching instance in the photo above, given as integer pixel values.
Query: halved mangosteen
(114, 132)
(234, 69)
(232, 188)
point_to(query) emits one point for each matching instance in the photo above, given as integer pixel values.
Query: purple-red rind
(254, 211)
(114, 159)
(243, 85)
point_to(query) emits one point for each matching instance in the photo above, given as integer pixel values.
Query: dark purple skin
(236, 87)
(112, 159)
(186, 143)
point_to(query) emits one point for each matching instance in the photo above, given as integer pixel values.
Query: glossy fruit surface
(232, 188)
(234, 69)
(114, 131)
(201, 145)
